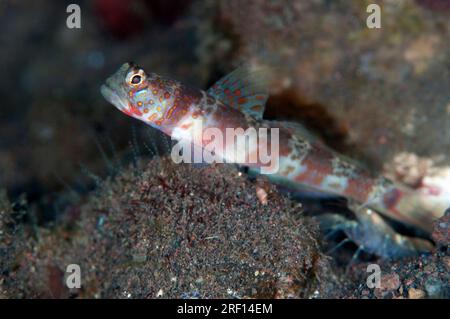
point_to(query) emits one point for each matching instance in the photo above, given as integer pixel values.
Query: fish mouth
(115, 99)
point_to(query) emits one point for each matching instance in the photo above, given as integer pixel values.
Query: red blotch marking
(312, 176)
(433, 190)
(318, 166)
(186, 126)
(227, 91)
(359, 188)
(237, 92)
(167, 95)
(132, 110)
(391, 199)
(136, 111)
(284, 150)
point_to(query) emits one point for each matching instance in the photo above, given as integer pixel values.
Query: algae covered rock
(166, 230)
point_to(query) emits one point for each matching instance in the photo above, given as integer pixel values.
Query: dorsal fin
(244, 89)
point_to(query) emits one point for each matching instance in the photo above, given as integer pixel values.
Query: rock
(434, 287)
(441, 232)
(390, 282)
(416, 293)
(164, 221)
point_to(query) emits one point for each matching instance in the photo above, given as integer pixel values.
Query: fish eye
(136, 79)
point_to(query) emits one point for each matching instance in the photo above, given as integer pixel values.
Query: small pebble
(390, 282)
(262, 195)
(416, 293)
(434, 287)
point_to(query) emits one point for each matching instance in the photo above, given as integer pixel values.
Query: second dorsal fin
(245, 89)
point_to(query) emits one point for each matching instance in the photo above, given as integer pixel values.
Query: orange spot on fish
(169, 113)
(186, 126)
(242, 100)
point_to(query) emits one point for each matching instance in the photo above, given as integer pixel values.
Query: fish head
(138, 94)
